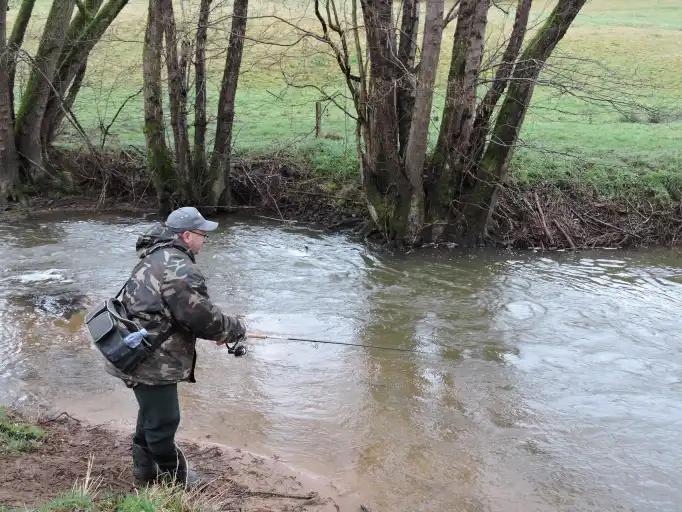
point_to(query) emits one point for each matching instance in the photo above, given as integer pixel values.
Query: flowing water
(552, 382)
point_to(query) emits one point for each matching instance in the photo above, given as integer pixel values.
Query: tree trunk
(200, 122)
(415, 155)
(34, 100)
(159, 160)
(387, 188)
(54, 110)
(407, 51)
(219, 170)
(9, 171)
(493, 168)
(84, 34)
(177, 96)
(458, 115)
(16, 40)
(487, 105)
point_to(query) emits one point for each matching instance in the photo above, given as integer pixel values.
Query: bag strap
(112, 310)
(121, 290)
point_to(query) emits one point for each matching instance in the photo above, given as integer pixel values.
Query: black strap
(121, 290)
(125, 321)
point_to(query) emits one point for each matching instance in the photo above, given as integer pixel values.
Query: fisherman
(166, 294)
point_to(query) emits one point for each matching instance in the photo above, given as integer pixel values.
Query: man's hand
(237, 331)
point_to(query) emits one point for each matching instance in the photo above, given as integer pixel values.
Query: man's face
(194, 239)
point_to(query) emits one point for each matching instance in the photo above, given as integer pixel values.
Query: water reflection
(550, 383)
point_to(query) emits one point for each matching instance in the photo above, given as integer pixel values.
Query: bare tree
(85, 31)
(415, 153)
(200, 120)
(37, 92)
(449, 157)
(492, 169)
(448, 195)
(55, 75)
(407, 53)
(16, 39)
(159, 159)
(176, 63)
(185, 177)
(219, 170)
(9, 170)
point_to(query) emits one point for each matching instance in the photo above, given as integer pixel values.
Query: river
(549, 382)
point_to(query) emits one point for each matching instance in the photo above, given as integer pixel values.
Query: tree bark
(83, 35)
(177, 96)
(34, 100)
(458, 115)
(219, 170)
(84, 14)
(159, 160)
(200, 122)
(487, 105)
(16, 40)
(407, 51)
(9, 170)
(387, 188)
(480, 203)
(415, 155)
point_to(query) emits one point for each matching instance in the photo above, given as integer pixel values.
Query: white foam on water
(46, 275)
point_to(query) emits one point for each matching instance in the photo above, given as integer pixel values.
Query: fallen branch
(566, 235)
(542, 219)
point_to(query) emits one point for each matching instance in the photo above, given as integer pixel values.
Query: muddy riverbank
(237, 479)
(540, 217)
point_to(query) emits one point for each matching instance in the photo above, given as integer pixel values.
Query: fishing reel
(237, 349)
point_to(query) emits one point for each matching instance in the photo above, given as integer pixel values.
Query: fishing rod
(328, 342)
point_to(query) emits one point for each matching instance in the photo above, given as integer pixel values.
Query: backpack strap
(125, 321)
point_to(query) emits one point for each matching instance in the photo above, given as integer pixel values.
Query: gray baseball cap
(188, 218)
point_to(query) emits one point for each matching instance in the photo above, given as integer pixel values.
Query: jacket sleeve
(184, 293)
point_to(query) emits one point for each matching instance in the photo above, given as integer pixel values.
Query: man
(167, 296)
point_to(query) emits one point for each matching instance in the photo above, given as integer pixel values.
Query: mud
(238, 480)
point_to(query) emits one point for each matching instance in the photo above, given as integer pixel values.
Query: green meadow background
(618, 131)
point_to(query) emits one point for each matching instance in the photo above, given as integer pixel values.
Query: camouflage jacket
(167, 295)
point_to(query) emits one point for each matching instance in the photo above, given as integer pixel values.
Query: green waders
(154, 450)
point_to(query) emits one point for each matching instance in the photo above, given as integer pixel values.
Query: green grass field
(633, 150)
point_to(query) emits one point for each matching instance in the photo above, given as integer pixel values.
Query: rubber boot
(144, 467)
(175, 470)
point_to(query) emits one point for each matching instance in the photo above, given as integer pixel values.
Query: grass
(633, 46)
(150, 499)
(16, 436)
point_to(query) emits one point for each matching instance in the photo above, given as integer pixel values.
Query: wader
(155, 453)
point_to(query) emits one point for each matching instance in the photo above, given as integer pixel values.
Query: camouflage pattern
(167, 295)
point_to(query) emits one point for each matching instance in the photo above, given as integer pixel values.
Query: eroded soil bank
(543, 217)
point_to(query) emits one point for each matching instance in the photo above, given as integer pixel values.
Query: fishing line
(328, 342)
